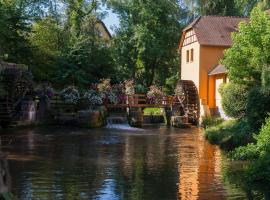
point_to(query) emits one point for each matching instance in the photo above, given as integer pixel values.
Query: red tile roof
(215, 30)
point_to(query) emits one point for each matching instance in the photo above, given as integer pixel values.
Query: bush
(211, 121)
(234, 100)
(155, 94)
(258, 106)
(140, 89)
(93, 98)
(258, 172)
(230, 134)
(70, 95)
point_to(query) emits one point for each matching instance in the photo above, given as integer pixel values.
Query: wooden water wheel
(15, 85)
(189, 100)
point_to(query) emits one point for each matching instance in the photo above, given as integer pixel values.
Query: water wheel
(15, 85)
(189, 100)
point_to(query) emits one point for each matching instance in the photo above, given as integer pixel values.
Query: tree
(249, 57)
(151, 31)
(14, 30)
(218, 7)
(47, 39)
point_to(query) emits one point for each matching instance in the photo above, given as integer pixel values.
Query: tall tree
(151, 31)
(14, 30)
(218, 7)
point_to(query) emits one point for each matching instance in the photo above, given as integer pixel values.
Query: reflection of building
(202, 46)
(198, 166)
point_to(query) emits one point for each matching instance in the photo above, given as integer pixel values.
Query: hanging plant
(155, 95)
(70, 95)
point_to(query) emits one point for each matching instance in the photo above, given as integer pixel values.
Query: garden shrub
(234, 100)
(258, 171)
(140, 89)
(258, 107)
(230, 134)
(70, 95)
(93, 98)
(155, 94)
(211, 121)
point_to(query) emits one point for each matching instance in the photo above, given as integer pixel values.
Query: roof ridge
(224, 16)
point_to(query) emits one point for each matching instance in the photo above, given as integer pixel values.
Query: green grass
(152, 111)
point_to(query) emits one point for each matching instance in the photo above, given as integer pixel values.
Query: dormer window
(187, 56)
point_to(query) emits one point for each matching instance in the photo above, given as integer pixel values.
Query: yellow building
(103, 31)
(202, 46)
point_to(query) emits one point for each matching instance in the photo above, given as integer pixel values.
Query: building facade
(202, 47)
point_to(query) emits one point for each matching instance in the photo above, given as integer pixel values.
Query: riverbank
(242, 143)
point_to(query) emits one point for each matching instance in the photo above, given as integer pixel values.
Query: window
(191, 55)
(187, 56)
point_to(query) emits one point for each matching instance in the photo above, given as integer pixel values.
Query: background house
(202, 46)
(103, 31)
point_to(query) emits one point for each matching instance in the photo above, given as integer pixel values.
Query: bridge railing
(141, 100)
(135, 100)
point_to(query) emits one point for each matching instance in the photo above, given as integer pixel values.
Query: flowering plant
(45, 90)
(93, 97)
(130, 87)
(179, 92)
(104, 86)
(70, 95)
(155, 94)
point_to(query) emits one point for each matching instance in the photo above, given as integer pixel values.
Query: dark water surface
(153, 163)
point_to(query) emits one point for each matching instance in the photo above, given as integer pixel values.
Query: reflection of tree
(138, 183)
(233, 174)
(147, 172)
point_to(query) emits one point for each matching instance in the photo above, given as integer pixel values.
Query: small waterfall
(119, 121)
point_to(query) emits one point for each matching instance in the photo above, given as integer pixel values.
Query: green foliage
(170, 84)
(208, 122)
(14, 31)
(234, 100)
(250, 52)
(248, 152)
(230, 134)
(258, 107)
(147, 40)
(258, 171)
(47, 38)
(220, 7)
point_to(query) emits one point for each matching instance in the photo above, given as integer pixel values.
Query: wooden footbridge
(141, 101)
(187, 105)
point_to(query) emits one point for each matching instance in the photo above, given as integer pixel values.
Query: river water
(110, 164)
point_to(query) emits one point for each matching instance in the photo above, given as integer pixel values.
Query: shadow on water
(150, 163)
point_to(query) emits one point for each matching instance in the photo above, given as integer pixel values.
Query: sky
(111, 20)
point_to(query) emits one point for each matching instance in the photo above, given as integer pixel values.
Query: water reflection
(156, 163)
(5, 179)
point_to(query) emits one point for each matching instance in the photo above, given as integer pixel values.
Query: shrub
(258, 106)
(129, 87)
(211, 121)
(248, 152)
(234, 100)
(155, 94)
(93, 97)
(70, 95)
(230, 134)
(140, 89)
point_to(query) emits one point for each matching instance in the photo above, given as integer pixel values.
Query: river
(152, 163)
